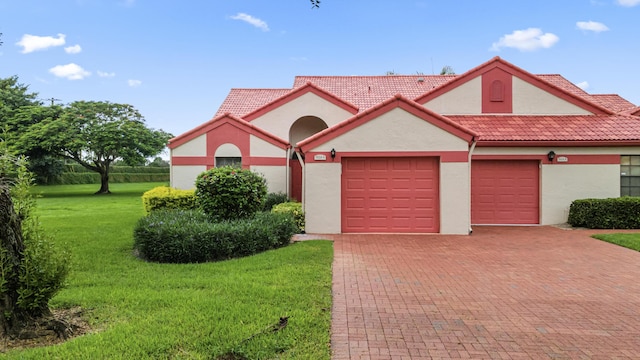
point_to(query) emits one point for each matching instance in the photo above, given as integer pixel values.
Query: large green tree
(19, 109)
(95, 134)
(14, 96)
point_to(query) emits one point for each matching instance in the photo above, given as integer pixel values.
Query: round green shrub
(187, 236)
(293, 208)
(228, 193)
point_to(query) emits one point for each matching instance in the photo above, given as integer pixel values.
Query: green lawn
(167, 311)
(631, 241)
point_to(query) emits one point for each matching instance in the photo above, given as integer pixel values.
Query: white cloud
(73, 49)
(70, 71)
(583, 85)
(251, 20)
(134, 83)
(105, 74)
(31, 43)
(526, 40)
(592, 26)
(628, 3)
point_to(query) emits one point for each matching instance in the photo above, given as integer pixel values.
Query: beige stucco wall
(259, 147)
(323, 191)
(184, 177)
(528, 99)
(465, 99)
(228, 150)
(194, 147)
(396, 130)
(455, 195)
(279, 120)
(276, 177)
(561, 184)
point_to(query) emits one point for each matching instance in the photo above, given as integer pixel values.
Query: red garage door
(390, 195)
(504, 192)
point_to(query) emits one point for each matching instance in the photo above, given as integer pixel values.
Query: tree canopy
(94, 134)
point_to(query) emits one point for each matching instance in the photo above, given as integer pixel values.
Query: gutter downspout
(304, 180)
(474, 141)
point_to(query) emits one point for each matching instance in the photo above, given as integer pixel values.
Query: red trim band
(445, 156)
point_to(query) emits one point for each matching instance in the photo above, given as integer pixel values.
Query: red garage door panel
(504, 192)
(390, 195)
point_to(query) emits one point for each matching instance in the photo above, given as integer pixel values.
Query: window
(630, 175)
(228, 161)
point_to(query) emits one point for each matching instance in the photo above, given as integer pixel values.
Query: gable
(507, 89)
(227, 127)
(396, 130)
(397, 124)
(278, 119)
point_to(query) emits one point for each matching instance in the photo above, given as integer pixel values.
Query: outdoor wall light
(551, 155)
(333, 153)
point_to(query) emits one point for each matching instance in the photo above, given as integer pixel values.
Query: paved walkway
(502, 293)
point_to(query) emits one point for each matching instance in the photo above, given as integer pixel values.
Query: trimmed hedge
(94, 178)
(77, 168)
(77, 174)
(186, 236)
(293, 208)
(165, 197)
(612, 213)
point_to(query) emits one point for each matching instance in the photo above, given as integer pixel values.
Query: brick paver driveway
(502, 293)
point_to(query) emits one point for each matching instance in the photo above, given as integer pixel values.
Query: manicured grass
(167, 311)
(631, 241)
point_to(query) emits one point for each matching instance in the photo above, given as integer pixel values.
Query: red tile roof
(552, 128)
(297, 92)
(368, 91)
(562, 83)
(364, 93)
(614, 102)
(243, 101)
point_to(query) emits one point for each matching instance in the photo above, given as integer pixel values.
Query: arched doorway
(301, 129)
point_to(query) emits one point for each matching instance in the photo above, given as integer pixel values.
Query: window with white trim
(630, 175)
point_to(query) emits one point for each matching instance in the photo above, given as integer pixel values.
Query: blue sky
(175, 61)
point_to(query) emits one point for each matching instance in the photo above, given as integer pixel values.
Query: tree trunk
(10, 257)
(104, 182)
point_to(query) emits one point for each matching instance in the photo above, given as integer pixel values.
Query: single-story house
(424, 153)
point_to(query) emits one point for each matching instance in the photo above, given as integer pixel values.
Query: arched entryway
(301, 129)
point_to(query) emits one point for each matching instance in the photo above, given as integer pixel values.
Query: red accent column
(497, 92)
